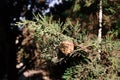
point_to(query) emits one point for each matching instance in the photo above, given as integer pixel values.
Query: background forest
(58, 39)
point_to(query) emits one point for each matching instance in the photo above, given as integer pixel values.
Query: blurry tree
(85, 12)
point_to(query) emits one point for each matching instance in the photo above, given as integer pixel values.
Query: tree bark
(100, 23)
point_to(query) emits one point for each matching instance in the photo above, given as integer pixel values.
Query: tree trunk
(7, 44)
(100, 23)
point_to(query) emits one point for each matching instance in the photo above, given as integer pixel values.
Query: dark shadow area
(78, 57)
(7, 43)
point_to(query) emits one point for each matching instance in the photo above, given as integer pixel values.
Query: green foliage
(82, 73)
(103, 69)
(74, 30)
(76, 6)
(88, 2)
(111, 10)
(110, 45)
(48, 34)
(117, 28)
(102, 65)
